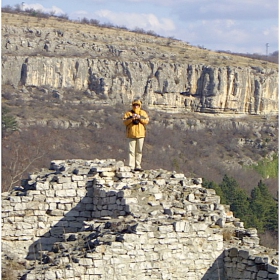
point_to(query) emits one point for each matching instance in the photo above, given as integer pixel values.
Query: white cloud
(236, 36)
(227, 9)
(271, 31)
(39, 7)
(153, 2)
(135, 20)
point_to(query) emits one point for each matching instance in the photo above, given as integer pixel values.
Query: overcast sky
(242, 26)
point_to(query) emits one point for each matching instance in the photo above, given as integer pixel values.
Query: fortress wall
(96, 219)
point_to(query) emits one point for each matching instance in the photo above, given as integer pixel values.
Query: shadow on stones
(216, 271)
(94, 221)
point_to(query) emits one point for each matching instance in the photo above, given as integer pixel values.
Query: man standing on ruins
(135, 121)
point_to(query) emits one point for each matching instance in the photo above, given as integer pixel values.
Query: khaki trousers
(135, 152)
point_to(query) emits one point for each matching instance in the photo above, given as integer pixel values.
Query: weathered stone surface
(112, 232)
(102, 65)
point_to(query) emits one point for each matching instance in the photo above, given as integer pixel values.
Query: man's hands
(136, 117)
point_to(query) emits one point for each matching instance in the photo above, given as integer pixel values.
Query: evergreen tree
(260, 210)
(264, 208)
(236, 197)
(9, 123)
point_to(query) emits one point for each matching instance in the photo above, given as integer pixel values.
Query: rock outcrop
(159, 70)
(97, 219)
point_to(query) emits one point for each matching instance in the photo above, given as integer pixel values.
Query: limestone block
(239, 224)
(145, 265)
(272, 268)
(77, 178)
(169, 241)
(89, 207)
(85, 214)
(105, 213)
(56, 221)
(178, 211)
(42, 185)
(251, 241)
(124, 174)
(23, 206)
(68, 273)
(39, 213)
(210, 192)
(165, 254)
(130, 200)
(221, 222)
(181, 226)
(200, 264)
(191, 197)
(23, 226)
(8, 209)
(179, 176)
(81, 183)
(101, 169)
(52, 200)
(6, 228)
(16, 199)
(99, 193)
(66, 193)
(107, 174)
(160, 182)
(213, 199)
(112, 207)
(59, 273)
(233, 252)
(98, 263)
(273, 276)
(56, 212)
(27, 232)
(98, 271)
(85, 201)
(158, 196)
(69, 185)
(96, 255)
(49, 274)
(241, 266)
(120, 259)
(199, 226)
(62, 179)
(262, 274)
(30, 219)
(53, 205)
(124, 169)
(49, 193)
(57, 186)
(243, 254)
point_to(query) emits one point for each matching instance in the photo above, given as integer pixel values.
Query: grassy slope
(177, 50)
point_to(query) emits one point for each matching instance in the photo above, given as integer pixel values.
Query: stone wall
(97, 219)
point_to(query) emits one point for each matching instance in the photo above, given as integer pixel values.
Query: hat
(137, 101)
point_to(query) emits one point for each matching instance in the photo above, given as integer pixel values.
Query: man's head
(136, 103)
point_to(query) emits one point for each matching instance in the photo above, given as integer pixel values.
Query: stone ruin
(98, 219)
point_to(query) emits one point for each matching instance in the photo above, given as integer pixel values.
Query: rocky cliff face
(122, 65)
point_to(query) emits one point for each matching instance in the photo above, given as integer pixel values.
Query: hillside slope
(118, 65)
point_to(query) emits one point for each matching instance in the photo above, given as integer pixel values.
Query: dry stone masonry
(98, 219)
